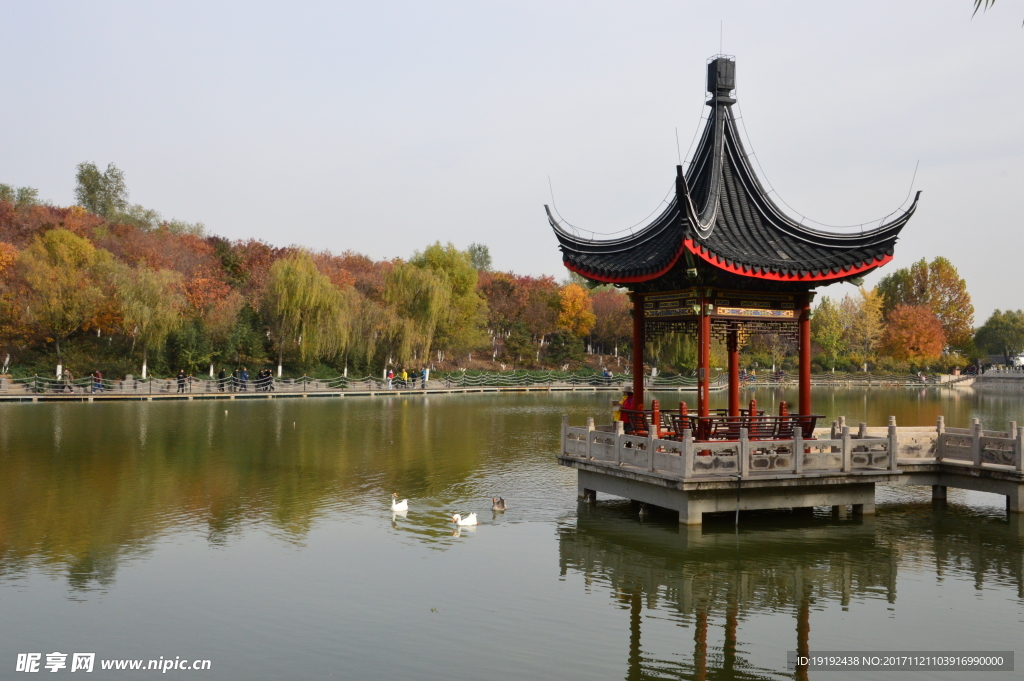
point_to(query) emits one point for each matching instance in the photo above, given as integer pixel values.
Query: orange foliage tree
(914, 334)
(613, 328)
(575, 314)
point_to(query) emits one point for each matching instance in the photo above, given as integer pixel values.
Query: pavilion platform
(837, 467)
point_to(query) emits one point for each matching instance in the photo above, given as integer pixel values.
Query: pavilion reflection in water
(788, 565)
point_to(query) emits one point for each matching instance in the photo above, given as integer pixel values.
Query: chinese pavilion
(723, 260)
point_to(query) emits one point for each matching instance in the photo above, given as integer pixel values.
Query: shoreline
(252, 395)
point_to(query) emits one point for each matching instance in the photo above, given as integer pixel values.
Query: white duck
(398, 506)
(462, 522)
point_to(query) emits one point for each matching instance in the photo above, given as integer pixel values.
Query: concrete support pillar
(839, 511)
(938, 492)
(864, 509)
(1015, 501)
(691, 512)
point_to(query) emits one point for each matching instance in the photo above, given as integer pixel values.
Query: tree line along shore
(106, 285)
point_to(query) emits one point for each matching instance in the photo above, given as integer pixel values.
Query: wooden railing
(719, 425)
(688, 459)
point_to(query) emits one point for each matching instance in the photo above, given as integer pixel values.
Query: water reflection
(778, 563)
(86, 487)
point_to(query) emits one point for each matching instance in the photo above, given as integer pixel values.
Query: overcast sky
(383, 126)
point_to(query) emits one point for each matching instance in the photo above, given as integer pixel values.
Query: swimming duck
(644, 510)
(397, 505)
(468, 520)
(497, 504)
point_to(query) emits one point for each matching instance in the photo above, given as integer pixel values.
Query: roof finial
(721, 79)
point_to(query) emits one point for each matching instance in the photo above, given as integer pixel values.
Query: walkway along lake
(257, 534)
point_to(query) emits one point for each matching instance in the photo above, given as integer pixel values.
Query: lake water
(258, 535)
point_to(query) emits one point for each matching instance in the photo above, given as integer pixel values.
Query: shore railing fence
(447, 381)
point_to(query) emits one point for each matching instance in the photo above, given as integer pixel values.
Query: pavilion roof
(722, 214)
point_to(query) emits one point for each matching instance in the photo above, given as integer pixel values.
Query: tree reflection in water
(779, 563)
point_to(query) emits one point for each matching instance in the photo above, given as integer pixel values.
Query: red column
(803, 636)
(700, 639)
(805, 356)
(703, 358)
(638, 351)
(733, 345)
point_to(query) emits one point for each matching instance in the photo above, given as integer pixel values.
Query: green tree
(1002, 334)
(150, 302)
(189, 347)
(63, 273)
(517, 346)
(827, 330)
(462, 328)
(302, 308)
(565, 346)
(103, 193)
(938, 286)
(480, 256)
(20, 196)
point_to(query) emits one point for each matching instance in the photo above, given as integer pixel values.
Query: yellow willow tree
(151, 304)
(462, 327)
(63, 273)
(302, 308)
(417, 301)
(863, 320)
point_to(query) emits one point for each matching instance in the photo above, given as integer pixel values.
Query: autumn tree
(575, 311)
(613, 325)
(151, 304)
(506, 300)
(827, 330)
(62, 273)
(938, 286)
(1002, 334)
(541, 311)
(13, 326)
(913, 333)
(8, 256)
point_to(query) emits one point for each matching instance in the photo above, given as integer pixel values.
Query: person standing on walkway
(220, 379)
(245, 379)
(181, 380)
(97, 381)
(68, 381)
